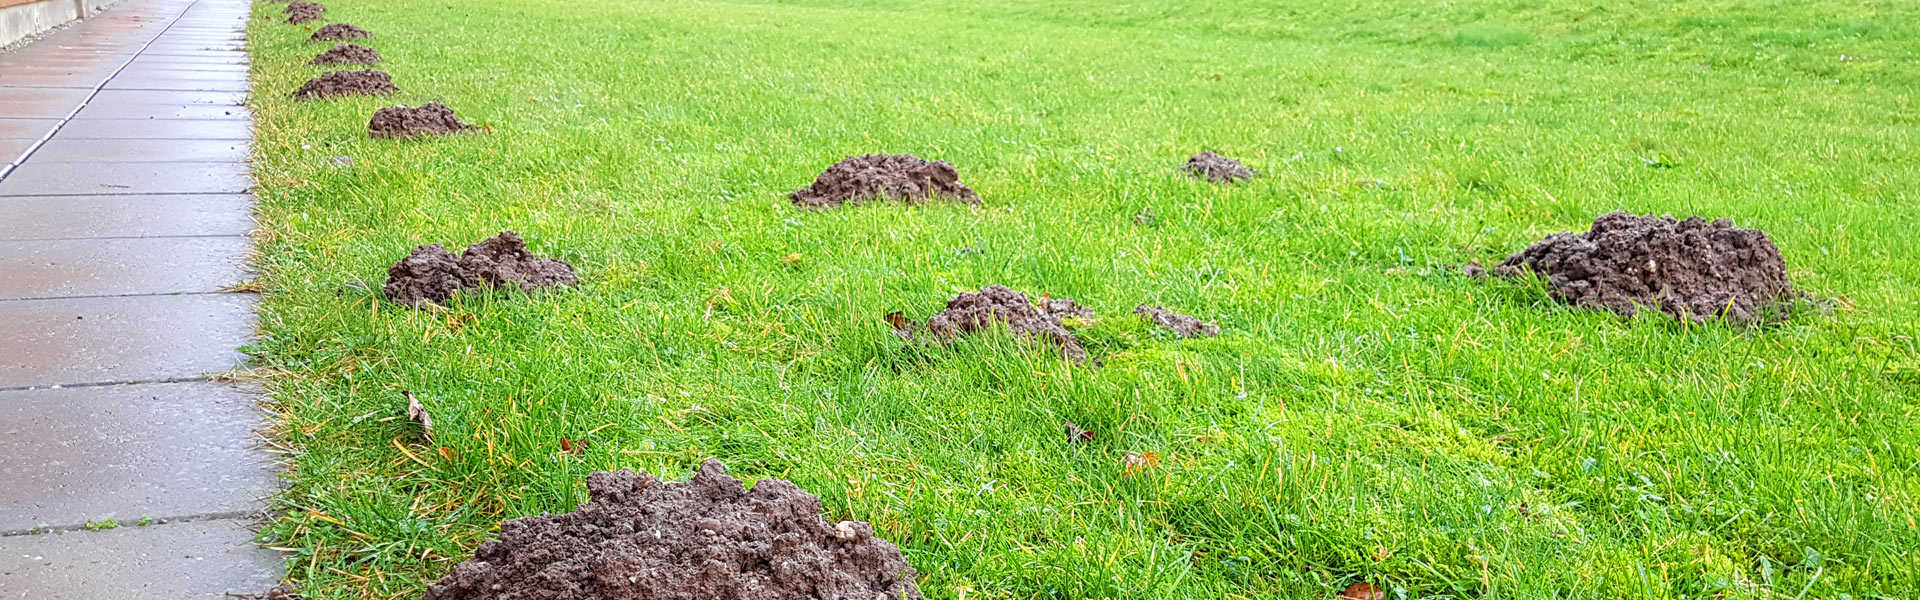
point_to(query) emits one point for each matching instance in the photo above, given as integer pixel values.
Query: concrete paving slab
(66, 217)
(10, 148)
(164, 111)
(200, 560)
(222, 66)
(135, 81)
(77, 179)
(156, 129)
(169, 97)
(143, 450)
(119, 267)
(63, 150)
(135, 338)
(187, 74)
(45, 103)
(27, 128)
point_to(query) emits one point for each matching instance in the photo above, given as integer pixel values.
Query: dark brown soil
(1066, 308)
(710, 538)
(1184, 325)
(902, 177)
(346, 83)
(432, 118)
(433, 275)
(1218, 169)
(334, 32)
(1691, 270)
(347, 54)
(995, 305)
(303, 12)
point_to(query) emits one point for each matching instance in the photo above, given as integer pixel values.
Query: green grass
(1366, 416)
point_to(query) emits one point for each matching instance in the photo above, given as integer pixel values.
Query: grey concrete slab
(10, 148)
(156, 129)
(139, 64)
(44, 103)
(199, 53)
(159, 449)
(200, 560)
(27, 128)
(51, 80)
(169, 97)
(133, 338)
(118, 267)
(60, 217)
(124, 110)
(186, 74)
(136, 81)
(62, 150)
(79, 179)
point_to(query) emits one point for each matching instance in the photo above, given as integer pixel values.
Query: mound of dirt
(710, 538)
(902, 177)
(1691, 270)
(1066, 308)
(347, 54)
(346, 83)
(334, 32)
(1218, 169)
(1184, 325)
(995, 305)
(433, 275)
(302, 12)
(432, 118)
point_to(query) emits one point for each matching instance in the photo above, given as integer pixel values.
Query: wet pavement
(124, 214)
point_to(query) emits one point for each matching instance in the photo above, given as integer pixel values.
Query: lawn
(1368, 415)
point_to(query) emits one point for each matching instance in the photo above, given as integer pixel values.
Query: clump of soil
(1691, 270)
(902, 177)
(347, 83)
(347, 54)
(432, 118)
(1066, 308)
(432, 275)
(334, 32)
(1184, 325)
(302, 12)
(1218, 169)
(641, 538)
(995, 305)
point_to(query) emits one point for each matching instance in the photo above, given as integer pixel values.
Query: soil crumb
(346, 83)
(1218, 169)
(303, 12)
(1184, 325)
(347, 54)
(402, 122)
(1066, 308)
(641, 538)
(902, 177)
(432, 275)
(1691, 270)
(334, 32)
(996, 304)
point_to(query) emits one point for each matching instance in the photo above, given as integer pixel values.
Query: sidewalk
(124, 211)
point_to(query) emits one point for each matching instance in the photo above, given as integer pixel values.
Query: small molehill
(1692, 270)
(1218, 169)
(347, 54)
(997, 305)
(334, 32)
(303, 12)
(709, 538)
(1184, 325)
(402, 122)
(346, 83)
(432, 275)
(902, 177)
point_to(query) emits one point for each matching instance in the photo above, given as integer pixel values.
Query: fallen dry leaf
(417, 413)
(573, 446)
(901, 326)
(1362, 591)
(1076, 435)
(1140, 461)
